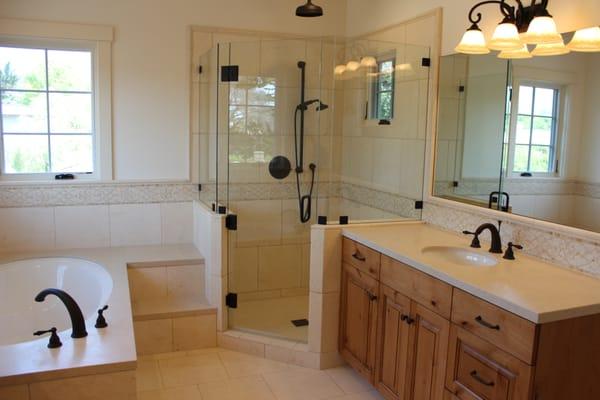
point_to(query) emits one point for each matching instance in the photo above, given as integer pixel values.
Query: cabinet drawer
(508, 331)
(422, 288)
(479, 370)
(361, 257)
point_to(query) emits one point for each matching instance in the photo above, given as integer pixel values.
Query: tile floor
(220, 374)
(251, 316)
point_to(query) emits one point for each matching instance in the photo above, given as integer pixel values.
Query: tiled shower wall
(46, 217)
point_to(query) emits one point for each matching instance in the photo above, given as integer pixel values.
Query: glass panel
(544, 102)
(261, 121)
(523, 129)
(23, 69)
(26, 153)
(70, 70)
(540, 159)
(263, 94)
(521, 158)
(525, 99)
(72, 153)
(386, 81)
(70, 113)
(385, 105)
(24, 112)
(542, 131)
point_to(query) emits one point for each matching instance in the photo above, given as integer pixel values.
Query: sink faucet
(496, 240)
(77, 320)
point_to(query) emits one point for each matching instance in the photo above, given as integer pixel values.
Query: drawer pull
(483, 322)
(359, 257)
(479, 379)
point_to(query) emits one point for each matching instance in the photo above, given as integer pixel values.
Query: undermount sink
(459, 255)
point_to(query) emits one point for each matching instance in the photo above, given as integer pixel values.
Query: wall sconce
(586, 40)
(519, 27)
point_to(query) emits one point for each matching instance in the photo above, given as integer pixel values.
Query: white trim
(55, 30)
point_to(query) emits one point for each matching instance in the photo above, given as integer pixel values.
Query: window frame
(65, 36)
(375, 92)
(558, 131)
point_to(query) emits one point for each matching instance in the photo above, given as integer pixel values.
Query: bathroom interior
(335, 199)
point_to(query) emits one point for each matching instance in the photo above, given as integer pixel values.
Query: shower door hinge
(426, 62)
(231, 300)
(418, 205)
(231, 222)
(230, 73)
(200, 70)
(461, 88)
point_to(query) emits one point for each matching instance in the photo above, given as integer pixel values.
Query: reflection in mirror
(470, 129)
(548, 140)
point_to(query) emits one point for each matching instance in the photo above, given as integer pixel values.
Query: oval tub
(20, 281)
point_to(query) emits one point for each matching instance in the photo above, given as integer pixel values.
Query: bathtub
(87, 282)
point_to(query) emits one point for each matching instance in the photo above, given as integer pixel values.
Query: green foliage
(8, 79)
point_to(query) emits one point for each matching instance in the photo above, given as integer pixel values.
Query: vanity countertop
(104, 350)
(531, 288)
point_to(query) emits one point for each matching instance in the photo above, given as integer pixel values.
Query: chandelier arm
(507, 11)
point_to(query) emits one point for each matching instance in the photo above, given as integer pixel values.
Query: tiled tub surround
(108, 354)
(563, 249)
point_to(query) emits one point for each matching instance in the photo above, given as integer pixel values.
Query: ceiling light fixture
(309, 10)
(520, 26)
(550, 49)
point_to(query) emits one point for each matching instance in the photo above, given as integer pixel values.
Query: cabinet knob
(407, 319)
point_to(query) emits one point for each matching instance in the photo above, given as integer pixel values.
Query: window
(382, 101)
(47, 108)
(532, 134)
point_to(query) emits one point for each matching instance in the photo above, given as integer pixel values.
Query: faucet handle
(54, 338)
(475, 243)
(101, 321)
(510, 255)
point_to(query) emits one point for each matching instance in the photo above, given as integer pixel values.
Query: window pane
(542, 131)
(22, 68)
(237, 94)
(24, 112)
(263, 94)
(506, 128)
(72, 153)
(261, 121)
(521, 158)
(385, 82)
(523, 129)
(540, 159)
(525, 99)
(237, 120)
(387, 67)
(544, 102)
(385, 106)
(70, 113)
(70, 70)
(26, 153)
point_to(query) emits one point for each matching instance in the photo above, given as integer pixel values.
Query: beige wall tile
(195, 332)
(152, 337)
(244, 269)
(147, 283)
(258, 222)
(186, 281)
(279, 267)
(242, 345)
(20, 392)
(115, 386)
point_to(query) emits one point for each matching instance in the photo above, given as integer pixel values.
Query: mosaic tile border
(49, 195)
(520, 187)
(558, 248)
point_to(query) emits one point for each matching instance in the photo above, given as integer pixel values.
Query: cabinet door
(392, 345)
(358, 322)
(428, 351)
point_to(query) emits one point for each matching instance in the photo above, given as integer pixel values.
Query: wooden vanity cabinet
(358, 320)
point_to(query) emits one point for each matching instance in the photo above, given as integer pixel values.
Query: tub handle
(101, 321)
(54, 339)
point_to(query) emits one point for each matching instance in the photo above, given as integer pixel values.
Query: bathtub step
(170, 307)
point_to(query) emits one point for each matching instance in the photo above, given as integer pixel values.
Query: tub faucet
(496, 240)
(77, 320)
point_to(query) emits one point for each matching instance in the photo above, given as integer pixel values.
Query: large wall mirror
(522, 136)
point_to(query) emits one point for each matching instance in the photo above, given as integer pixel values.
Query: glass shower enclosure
(290, 139)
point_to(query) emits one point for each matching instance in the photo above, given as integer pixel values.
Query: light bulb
(521, 53)
(339, 70)
(368, 62)
(353, 66)
(586, 40)
(542, 30)
(550, 49)
(473, 42)
(506, 37)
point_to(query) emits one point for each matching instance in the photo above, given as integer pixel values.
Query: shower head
(304, 106)
(309, 10)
